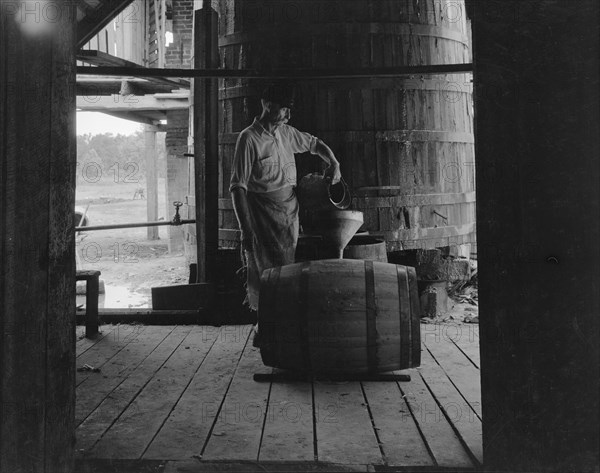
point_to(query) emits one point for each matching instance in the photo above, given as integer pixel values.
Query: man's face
(278, 115)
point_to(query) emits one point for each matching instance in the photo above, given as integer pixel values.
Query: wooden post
(151, 180)
(206, 143)
(37, 240)
(538, 193)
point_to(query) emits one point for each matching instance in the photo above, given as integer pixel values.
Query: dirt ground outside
(130, 263)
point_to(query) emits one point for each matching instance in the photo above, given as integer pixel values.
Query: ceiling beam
(92, 86)
(95, 19)
(138, 118)
(130, 103)
(345, 73)
(100, 58)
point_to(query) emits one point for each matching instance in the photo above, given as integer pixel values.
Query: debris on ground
(463, 303)
(87, 367)
(465, 290)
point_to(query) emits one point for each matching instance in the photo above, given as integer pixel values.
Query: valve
(177, 218)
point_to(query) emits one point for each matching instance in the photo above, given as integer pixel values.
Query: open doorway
(113, 189)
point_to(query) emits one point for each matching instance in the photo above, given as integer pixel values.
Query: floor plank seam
(123, 380)
(108, 359)
(112, 390)
(95, 341)
(379, 443)
(451, 381)
(212, 427)
(314, 420)
(262, 433)
(182, 392)
(421, 433)
(118, 416)
(464, 353)
(434, 378)
(452, 425)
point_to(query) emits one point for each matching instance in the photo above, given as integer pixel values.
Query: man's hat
(281, 93)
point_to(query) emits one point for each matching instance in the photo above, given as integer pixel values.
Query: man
(262, 185)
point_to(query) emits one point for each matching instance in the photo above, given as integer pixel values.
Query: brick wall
(179, 52)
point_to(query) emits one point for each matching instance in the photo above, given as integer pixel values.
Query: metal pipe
(348, 73)
(133, 225)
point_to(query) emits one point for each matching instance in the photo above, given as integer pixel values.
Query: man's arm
(242, 213)
(326, 154)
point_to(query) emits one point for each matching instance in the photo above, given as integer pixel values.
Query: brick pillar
(178, 55)
(177, 170)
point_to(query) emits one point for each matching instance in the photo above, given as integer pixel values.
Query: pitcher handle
(346, 200)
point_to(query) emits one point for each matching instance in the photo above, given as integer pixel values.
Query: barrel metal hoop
(364, 202)
(303, 311)
(371, 315)
(415, 318)
(405, 316)
(397, 136)
(440, 84)
(340, 29)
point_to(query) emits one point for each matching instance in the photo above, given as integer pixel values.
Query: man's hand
(333, 174)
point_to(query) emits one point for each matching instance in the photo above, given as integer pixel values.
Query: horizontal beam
(138, 117)
(102, 59)
(280, 73)
(92, 86)
(129, 103)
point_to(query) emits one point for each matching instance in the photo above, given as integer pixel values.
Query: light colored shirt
(263, 161)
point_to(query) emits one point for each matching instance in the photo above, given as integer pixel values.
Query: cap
(282, 94)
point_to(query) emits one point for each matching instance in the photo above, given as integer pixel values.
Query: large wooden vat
(405, 144)
(340, 316)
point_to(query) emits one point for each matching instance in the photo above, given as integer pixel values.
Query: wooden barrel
(366, 247)
(340, 316)
(405, 144)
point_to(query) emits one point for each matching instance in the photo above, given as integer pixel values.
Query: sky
(96, 123)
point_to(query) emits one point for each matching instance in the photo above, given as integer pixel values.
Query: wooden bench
(92, 280)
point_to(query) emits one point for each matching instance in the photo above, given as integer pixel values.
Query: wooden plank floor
(182, 398)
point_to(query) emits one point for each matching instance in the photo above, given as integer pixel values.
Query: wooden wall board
(37, 253)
